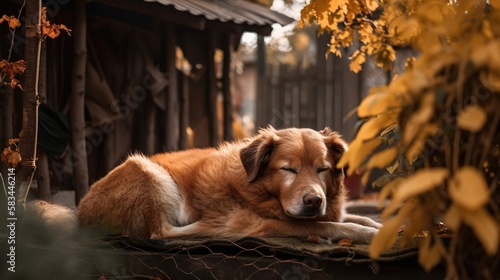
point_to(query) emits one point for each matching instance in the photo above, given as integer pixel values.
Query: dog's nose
(312, 201)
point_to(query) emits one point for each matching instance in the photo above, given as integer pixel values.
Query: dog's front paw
(367, 234)
(375, 225)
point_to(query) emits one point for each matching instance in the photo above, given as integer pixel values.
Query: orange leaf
(12, 68)
(346, 243)
(11, 157)
(11, 20)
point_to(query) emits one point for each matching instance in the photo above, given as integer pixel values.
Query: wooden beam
(213, 121)
(226, 88)
(77, 102)
(171, 100)
(157, 10)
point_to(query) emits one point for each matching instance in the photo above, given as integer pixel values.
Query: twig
(14, 32)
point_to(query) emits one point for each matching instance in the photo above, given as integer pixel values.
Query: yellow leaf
(346, 37)
(485, 227)
(372, 5)
(387, 191)
(429, 254)
(418, 221)
(385, 57)
(453, 217)
(487, 55)
(375, 125)
(421, 181)
(383, 99)
(495, 4)
(388, 234)
(403, 29)
(353, 9)
(410, 61)
(468, 188)
(434, 12)
(378, 100)
(472, 118)
(357, 59)
(382, 158)
(322, 20)
(358, 151)
(491, 80)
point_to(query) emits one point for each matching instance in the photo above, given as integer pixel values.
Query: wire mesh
(120, 257)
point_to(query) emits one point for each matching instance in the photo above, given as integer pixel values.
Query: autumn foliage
(11, 71)
(434, 128)
(51, 30)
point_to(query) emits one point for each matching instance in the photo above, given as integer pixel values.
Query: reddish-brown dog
(278, 183)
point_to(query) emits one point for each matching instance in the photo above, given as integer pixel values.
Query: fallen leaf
(314, 239)
(345, 243)
(382, 158)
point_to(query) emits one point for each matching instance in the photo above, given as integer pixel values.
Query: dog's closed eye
(289, 169)
(322, 169)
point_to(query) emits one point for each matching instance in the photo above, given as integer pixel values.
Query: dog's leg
(330, 230)
(243, 223)
(365, 221)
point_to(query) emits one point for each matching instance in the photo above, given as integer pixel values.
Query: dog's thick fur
(278, 183)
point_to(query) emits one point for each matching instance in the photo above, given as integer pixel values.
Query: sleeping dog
(282, 183)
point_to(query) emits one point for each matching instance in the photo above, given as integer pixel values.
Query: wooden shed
(155, 73)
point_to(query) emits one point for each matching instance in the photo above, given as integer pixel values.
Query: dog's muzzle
(312, 201)
(311, 205)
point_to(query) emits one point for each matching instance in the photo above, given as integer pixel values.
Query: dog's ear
(335, 144)
(255, 157)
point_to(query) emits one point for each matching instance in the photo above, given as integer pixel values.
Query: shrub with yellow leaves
(435, 128)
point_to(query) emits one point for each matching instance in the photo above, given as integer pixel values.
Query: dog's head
(297, 166)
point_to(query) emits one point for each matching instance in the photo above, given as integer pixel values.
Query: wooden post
(184, 114)
(77, 102)
(29, 131)
(42, 172)
(261, 118)
(213, 121)
(226, 89)
(150, 124)
(171, 100)
(7, 115)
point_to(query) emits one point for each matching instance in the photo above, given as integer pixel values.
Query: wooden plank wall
(320, 95)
